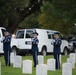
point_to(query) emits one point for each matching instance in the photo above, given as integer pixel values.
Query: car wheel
(14, 50)
(65, 51)
(44, 51)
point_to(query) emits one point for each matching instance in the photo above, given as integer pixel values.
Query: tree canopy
(13, 12)
(54, 14)
(59, 15)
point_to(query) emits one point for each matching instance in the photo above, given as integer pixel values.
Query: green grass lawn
(12, 71)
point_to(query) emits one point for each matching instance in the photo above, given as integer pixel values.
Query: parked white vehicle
(22, 42)
(1, 36)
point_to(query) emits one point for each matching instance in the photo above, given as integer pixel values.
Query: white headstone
(60, 58)
(27, 67)
(67, 69)
(12, 57)
(0, 68)
(70, 60)
(75, 51)
(73, 56)
(51, 64)
(17, 62)
(40, 59)
(41, 69)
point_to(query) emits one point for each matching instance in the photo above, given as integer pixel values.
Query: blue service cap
(36, 33)
(56, 33)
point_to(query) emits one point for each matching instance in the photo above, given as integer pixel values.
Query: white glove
(53, 42)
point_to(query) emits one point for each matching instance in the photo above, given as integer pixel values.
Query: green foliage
(56, 15)
(8, 10)
(30, 22)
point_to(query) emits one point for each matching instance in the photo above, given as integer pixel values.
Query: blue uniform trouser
(35, 58)
(7, 57)
(57, 58)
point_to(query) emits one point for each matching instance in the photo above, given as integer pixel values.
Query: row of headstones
(72, 59)
(17, 60)
(66, 67)
(41, 68)
(69, 65)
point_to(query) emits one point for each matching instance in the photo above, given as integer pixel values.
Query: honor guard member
(57, 50)
(35, 42)
(6, 47)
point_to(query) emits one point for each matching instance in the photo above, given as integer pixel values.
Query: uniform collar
(56, 38)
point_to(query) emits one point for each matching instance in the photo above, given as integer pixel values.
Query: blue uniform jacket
(57, 48)
(6, 43)
(35, 42)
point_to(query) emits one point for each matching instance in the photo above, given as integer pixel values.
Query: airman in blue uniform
(35, 42)
(7, 48)
(57, 50)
